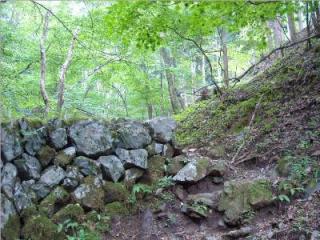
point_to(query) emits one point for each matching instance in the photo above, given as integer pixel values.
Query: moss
(260, 193)
(29, 212)
(115, 192)
(115, 209)
(46, 155)
(155, 170)
(98, 222)
(51, 203)
(40, 227)
(175, 164)
(72, 211)
(202, 166)
(11, 230)
(239, 198)
(283, 166)
(62, 159)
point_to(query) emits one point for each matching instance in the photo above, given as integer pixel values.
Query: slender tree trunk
(43, 63)
(150, 111)
(277, 33)
(300, 20)
(225, 58)
(292, 27)
(308, 25)
(167, 60)
(63, 71)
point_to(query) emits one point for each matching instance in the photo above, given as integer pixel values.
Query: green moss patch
(11, 230)
(72, 211)
(115, 192)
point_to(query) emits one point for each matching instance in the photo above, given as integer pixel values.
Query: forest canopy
(136, 59)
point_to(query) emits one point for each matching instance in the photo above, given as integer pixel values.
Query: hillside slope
(267, 132)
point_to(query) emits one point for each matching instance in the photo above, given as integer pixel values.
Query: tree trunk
(167, 61)
(63, 71)
(225, 58)
(292, 27)
(277, 32)
(300, 20)
(150, 111)
(43, 63)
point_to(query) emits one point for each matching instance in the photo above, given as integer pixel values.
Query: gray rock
(162, 128)
(91, 138)
(132, 175)
(41, 190)
(198, 168)
(7, 210)
(133, 158)
(65, 156)
(35, 139)
(28, 167)
(73, 177)
(8, 179)
(315, 235)
(59, 138)
(133, 135)
(242, 232)
(10, 145)
(23, 196)
(45, 155)
(168, 151)
(112, 167)
(176, 164)
(155, 149)
(87, 166)
(209, 199)
(52, 176)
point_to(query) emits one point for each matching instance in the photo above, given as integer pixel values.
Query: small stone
(65, 156)
(112, 168)
(133, 158)
(176, 164)
(23, 196)
(35, 139)
(41, 190)
(7, 210)
(28, 167)
(132, 175)
(155, 148)
(168, 150)
(58, 138)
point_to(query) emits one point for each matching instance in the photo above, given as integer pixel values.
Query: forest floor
(256, 125)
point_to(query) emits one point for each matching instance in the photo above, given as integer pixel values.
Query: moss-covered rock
(115, 209)
(238, 199)
(72, 211)
(53, 201)
(155, 169)
(115, 192)
(40, 227)
(175, 164)
(65, 156)
(11, 230)
(46, 155)
(90, 194)
(29, 212)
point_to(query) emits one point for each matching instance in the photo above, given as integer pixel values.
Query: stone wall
(48, 166)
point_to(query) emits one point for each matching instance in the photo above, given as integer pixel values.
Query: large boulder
(45, 155)
(8, 179)
(10, 145)
(65, 156)
(112, 167)
(162, 128)
(238, 198)
(9, 220)
(28, 167)
(52, 176)
(198, 168)
(90, 194)
(59, 138)
(133, 135)
(87, 166)
(91, 138)
(133, 158)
